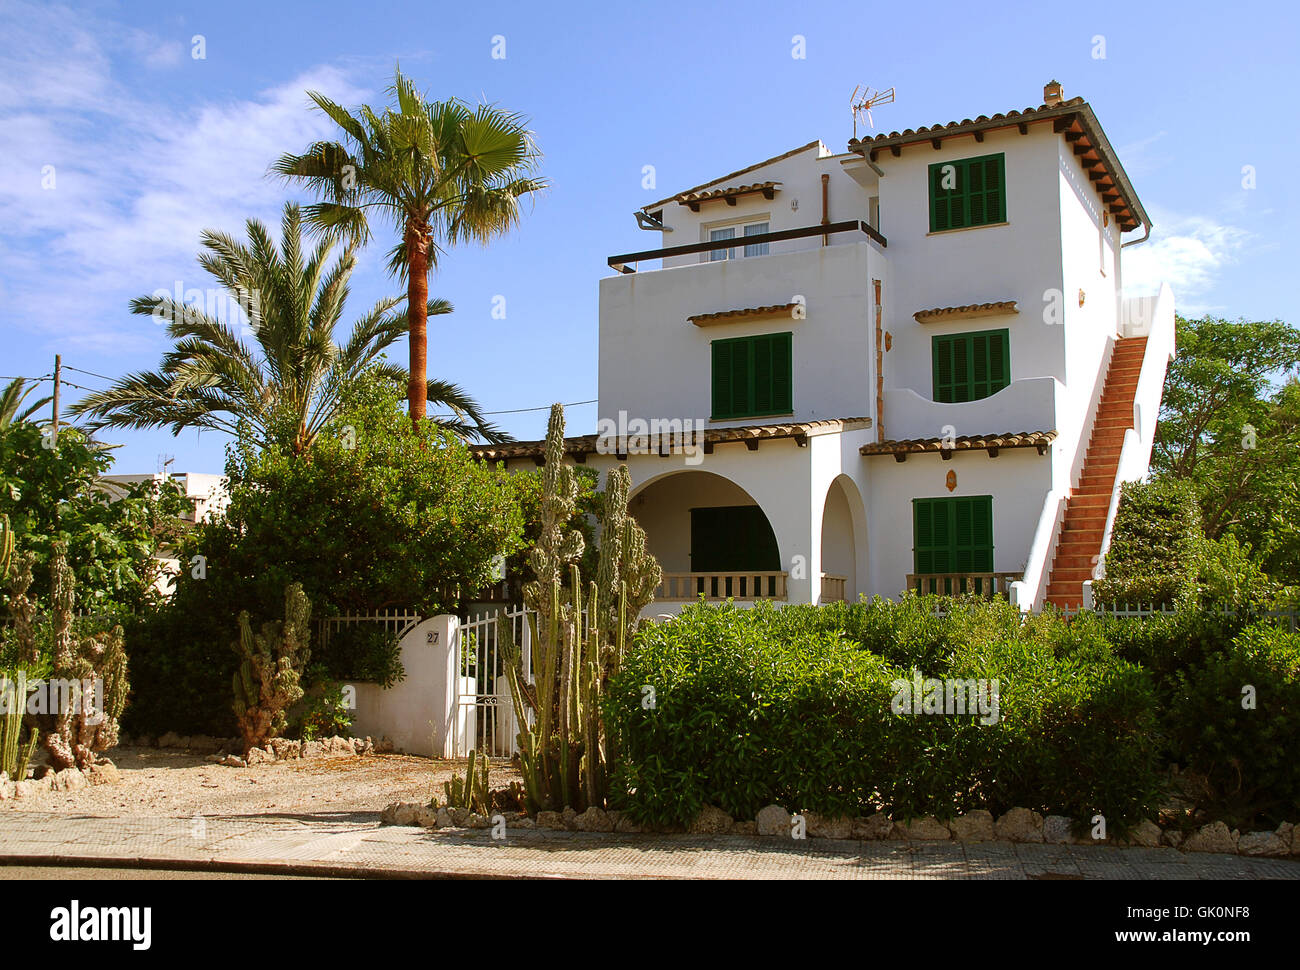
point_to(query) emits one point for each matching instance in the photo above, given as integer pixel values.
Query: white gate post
(444, 682)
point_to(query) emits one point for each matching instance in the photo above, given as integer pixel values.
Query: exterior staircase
(1086, 508)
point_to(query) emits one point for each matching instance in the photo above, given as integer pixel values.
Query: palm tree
(12, 399)
(439, 171)
(293, 374)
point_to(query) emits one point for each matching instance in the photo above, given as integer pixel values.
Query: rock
(927, 829)
(103, 773)
(626, 825)
(818, 826)
(570, 817)
(443, 818)
(1287, 833)
(214, 759)
(285, 749)
(173, 740)
(259, 756)
(26, 789)
(1214, 837)
(744, 828)
(1020, 825)
(363, 746)
(337, 747)
(1263, 843)
(974, 826)
(477, 821)
(773, 820)
(874, 828)
(1172, 838)
(401, 813)
(523, 823)
(1057, 829)
(383, 746)
(144, 741)
(313, 749)
(711, 821)
(7, 790)
(459, 816)
(550, 820)
(69, 779)
(233, 761)
(594, 819)
(1147, 834)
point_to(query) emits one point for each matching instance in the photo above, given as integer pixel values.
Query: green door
(732, 539)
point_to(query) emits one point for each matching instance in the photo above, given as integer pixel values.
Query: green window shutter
(733, 538)
(722, 378)
(782, 373)
(978, 195)
(753, 376)
(970, 366)
(953, 535)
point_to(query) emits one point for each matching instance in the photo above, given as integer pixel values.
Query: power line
(545, 407)
(90, 373)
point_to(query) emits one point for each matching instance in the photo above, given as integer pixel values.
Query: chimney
(1052, 94)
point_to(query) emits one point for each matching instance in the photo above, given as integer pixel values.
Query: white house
(207, 495)
(907, 365)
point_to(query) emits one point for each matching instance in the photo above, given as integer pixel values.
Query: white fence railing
(485, 718)
(398, 621)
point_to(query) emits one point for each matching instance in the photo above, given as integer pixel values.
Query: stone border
(1017, 825)
(221, 750)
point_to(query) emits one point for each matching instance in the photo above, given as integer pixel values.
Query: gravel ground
(166, 782)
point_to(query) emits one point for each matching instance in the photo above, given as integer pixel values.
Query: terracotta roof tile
(1010, 439)
(969, 310)
(726, 316)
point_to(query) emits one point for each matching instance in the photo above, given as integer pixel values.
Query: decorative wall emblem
(951, 480)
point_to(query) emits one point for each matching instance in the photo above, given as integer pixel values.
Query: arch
(844, 535)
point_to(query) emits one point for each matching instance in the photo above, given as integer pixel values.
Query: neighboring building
(207, 495)
(913, 365)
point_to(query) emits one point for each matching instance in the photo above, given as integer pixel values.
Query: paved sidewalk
(356, 845)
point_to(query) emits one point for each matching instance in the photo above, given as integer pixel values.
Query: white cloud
(135, 180)
(1187, 252)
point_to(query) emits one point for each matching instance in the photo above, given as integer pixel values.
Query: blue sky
(150, 145)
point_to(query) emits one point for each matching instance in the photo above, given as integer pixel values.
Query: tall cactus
(6, 547)
(78, 731)
(268, 680)
(564, 754)
(13, 758)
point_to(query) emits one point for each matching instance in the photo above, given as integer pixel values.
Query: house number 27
(433, 637)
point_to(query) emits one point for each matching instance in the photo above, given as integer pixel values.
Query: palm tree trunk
(417, 303)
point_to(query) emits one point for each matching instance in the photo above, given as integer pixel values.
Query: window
(970, 366)
(729, 232)
(731, 539)
(752, 376)
(717, 234)
(757, 249)
(952, 535)
(968, 192)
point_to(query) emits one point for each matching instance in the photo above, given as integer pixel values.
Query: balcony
(621, 262)
(687, 587)
(986, 585)
(833, 587)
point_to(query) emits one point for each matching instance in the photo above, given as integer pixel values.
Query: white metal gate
(485, 718)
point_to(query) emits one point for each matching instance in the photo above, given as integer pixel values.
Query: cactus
(6, 547)
(472, 792)
(77, 732)
(13, 690)
(268, 679)
(564, 754)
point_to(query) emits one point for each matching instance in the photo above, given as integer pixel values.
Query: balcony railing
(986, 585)
(721, 586)
(853, 225)
(833, 587)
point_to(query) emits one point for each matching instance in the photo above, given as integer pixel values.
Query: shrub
(787, 706)
(1155, 547)
(1242, 756)
(360, 651)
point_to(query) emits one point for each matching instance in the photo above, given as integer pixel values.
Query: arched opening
(842, 524)
(710, 537)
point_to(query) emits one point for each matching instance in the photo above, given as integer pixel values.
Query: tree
(54, 493)
(1230, 427)
(14, 409)
(439, 172)
(289, 382)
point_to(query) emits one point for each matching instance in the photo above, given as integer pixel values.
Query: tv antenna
(861, 105)
(165, 462)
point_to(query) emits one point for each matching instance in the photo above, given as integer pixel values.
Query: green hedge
(1156, 546)
(793, 706)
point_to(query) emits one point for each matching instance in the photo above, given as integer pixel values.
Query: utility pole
(58, 380)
